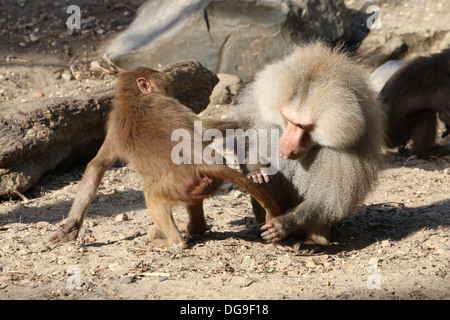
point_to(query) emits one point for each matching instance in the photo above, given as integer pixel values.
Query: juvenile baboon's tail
(256, 191)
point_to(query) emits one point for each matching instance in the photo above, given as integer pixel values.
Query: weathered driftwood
(191, 84)
(36, 136)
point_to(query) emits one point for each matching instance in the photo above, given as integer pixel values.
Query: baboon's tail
(256, 191)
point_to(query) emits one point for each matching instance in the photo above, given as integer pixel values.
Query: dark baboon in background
(413, 96)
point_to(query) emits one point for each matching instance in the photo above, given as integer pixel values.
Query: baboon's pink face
(296, 139)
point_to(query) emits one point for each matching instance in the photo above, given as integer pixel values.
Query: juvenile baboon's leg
(161, 214)
(197, 223)
(87, 190)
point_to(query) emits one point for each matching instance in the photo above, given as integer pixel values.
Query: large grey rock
(227, 36)
(382, 74)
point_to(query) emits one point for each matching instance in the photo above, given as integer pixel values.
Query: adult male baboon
(331, 144)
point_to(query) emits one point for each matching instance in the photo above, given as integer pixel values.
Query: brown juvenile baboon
(413, 95)
(331, 144)
(139, 130)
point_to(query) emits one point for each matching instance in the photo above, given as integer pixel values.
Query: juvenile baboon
(139, 130)
(413, 95)
(331, 144)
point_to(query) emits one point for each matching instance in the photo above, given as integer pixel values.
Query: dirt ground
(397, 246)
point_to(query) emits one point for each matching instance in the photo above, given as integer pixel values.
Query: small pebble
(121, 217)
(127, 280)
(237, 194)
(115, 267)
(67, 75)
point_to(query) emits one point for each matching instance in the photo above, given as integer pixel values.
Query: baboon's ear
(145, 85)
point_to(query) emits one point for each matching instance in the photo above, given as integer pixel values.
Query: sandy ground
(396, 246)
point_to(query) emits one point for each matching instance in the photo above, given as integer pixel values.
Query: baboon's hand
(259, 176)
